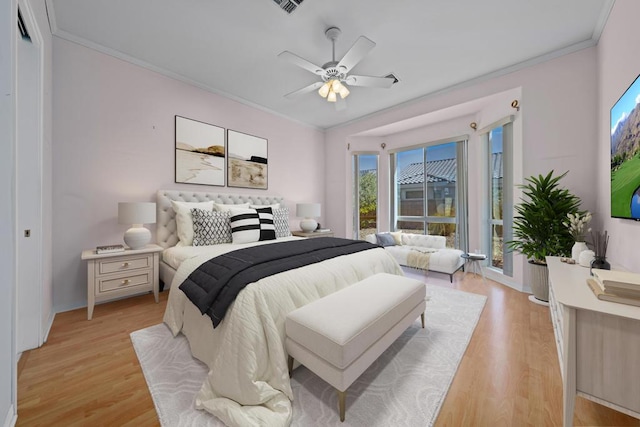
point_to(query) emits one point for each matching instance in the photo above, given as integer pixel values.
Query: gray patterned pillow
(210, 227)
(281, 222)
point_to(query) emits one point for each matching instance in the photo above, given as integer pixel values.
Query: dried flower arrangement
(577, 225)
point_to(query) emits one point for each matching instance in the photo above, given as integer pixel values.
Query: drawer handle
(125, 264)
(125, 282)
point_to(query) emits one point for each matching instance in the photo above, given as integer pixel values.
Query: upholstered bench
(339, 336)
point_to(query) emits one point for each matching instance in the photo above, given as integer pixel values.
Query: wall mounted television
(625, 154)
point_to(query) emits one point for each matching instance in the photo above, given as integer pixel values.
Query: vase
(577, 248)
(601, 263)
(539, 281)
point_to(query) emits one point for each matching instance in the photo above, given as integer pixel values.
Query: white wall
(7, 219)
(558, 128)
(618, 66)
(114, 141)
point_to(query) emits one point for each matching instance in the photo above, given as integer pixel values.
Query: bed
(248, 382)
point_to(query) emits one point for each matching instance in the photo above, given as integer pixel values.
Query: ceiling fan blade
(306, 89)
(369, 81)
(360, 48)
(341, 103)
(301, 62)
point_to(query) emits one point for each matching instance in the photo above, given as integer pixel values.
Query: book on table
(618, 281)
(605, 295)
(322, 230)
(107, 249)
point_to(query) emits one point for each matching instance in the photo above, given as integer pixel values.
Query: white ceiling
(231, 47)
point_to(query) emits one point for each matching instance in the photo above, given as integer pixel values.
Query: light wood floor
(87, 373)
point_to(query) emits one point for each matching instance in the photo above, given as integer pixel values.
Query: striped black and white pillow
(267, 227)
(281, 222)
(210, 227)
(252, 225)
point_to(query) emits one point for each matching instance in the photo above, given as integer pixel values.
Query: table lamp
(137, 213)
(309, 211)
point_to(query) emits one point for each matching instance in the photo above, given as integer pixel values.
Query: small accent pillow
(281, 222)
(210, 228)
(385, 239)
(184, 222)
(397, 236)
(252, 225)
(222, 207)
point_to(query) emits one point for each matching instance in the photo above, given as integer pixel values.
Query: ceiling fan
(334, 74)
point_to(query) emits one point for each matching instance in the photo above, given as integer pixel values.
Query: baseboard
(11, 418)
(49, 325)
(505, 280)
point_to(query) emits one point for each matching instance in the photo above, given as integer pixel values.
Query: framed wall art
(247, 165)
(200, 153)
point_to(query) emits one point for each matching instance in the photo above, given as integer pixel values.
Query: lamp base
(308, 225)
(137, 237)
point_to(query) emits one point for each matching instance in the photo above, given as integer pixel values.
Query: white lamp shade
(136, 213)
(308, 210)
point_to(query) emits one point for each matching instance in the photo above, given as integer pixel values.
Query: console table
(598, 343)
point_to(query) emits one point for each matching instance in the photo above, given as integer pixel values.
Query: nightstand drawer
(128, 263)
(128, 281)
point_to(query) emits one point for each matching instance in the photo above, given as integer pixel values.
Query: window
(365, 194)
(429, 192)
(498, 140)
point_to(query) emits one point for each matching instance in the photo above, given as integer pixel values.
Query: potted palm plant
(539, 228)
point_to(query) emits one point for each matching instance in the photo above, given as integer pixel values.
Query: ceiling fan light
(344, 92)
(332, 96)
(336, 86)
(324, 90)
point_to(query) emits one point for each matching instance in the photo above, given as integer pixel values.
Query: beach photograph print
(247, 165)
(200, 153)
(625, 154)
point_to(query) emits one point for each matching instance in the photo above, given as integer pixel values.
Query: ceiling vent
(288, 5)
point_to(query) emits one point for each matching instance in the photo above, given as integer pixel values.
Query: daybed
(248, 382)
(420, 251)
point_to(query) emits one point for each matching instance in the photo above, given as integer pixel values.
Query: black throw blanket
(214, 285)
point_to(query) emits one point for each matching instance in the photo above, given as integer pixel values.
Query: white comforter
(248, 382)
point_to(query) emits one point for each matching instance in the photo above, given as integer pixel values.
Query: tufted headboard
(166, 230)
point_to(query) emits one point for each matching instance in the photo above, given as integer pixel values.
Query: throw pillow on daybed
(385, 239)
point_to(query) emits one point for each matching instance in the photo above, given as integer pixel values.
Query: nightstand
(313, 234)
(121, 274)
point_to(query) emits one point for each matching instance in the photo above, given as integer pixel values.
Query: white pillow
(273, 206)
(222, 207)
(184, 221)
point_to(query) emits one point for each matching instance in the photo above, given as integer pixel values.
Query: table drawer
(128, 281)
(128, 263)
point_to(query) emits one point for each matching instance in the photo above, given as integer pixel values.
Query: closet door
(28, 185)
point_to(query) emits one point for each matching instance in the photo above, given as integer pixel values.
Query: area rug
(405, 386)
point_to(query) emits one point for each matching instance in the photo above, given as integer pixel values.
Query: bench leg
(290, 365)
(341, 400)
(422, 318)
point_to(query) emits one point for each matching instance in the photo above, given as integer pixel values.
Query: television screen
(625, 154)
